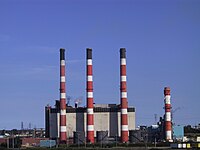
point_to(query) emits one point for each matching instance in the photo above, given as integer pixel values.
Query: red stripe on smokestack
(123, 96)
(168, 123)
(63, 128)
(90, 112)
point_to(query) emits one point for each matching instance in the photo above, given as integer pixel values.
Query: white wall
(103, 121)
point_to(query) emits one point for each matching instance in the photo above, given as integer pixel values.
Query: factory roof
(97, 108)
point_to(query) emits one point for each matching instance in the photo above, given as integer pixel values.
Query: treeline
(190, 129)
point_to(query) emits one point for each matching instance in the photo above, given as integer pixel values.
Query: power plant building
(107, 117)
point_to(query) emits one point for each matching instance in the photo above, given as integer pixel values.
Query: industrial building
(107, 117)
(63, 122)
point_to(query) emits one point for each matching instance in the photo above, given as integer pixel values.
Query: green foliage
(189, 129)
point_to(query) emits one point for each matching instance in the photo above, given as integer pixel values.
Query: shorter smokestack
(168, 123)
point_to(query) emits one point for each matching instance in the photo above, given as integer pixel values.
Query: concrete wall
(71, 123)
(103, 121)
(131, 120)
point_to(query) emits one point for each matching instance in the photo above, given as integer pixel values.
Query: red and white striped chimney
(168, 123)
(123, 96)
(90, 112)
(63, 128)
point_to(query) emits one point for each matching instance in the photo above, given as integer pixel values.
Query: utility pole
(7, 142)
(116, 140)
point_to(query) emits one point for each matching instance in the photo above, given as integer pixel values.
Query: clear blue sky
(162, 39)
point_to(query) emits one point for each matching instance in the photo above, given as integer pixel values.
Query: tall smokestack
(168, 123)
(90, 112)
(63, 128)
(123, 96)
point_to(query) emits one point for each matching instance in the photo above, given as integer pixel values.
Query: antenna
(69, 98)
(29, 125)
(78, 101)
(155, 117)
(22, 125)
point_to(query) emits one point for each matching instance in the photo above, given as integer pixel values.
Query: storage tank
(102, 136)
(134, 136)
(79, 137)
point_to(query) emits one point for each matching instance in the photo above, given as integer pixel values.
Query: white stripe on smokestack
(89, 61)
(90, 128)
(63, 112)
(123, 95)
(123, 61)
(89, 78)
(62, 79)
(124, 111)
(62, 62)
(168, 116)
(63, 128)
(168, 122)
(169, 134)
(123, 78)
(62, 95)
(167, 99)
(124, 127)
(90, 113)
(89, 94)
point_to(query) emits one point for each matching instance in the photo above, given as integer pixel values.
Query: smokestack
(168, 123)
(63, 128)
(90, 112)
(123, 96)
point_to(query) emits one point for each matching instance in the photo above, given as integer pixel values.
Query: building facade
(107, 117)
